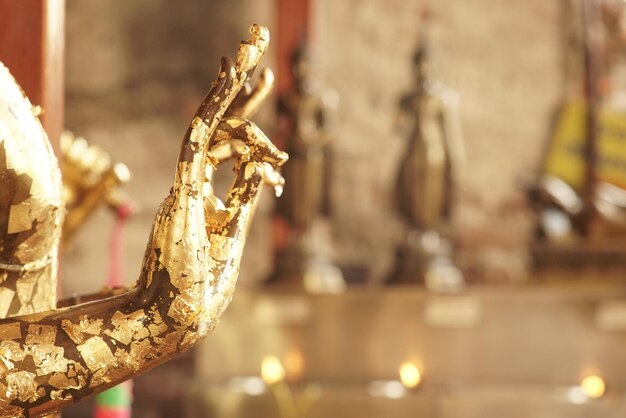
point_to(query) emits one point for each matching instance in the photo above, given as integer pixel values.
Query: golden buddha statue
(427, 178)
(51, 357)
(307, 113)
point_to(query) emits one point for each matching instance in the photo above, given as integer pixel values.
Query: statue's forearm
(55, 358)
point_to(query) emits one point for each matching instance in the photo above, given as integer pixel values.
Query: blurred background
(136, 73)
(527, 316)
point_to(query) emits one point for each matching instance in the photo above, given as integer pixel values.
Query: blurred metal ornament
(51, 358)
(427, 179)
(90, 178)
(579, 198)
(308, 111)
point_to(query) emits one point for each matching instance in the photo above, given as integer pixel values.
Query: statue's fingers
(240, 147)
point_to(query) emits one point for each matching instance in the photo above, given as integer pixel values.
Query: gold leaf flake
(128, 327)
(85, 326)
(19, 218)
(157, 327)
(183, 311)
(96, 353)
(12, 350)
(10, 411)
(21, 385)
(220, 247)
(140, 352)
(41, 334)
(48, 359)
(69, 380)
(6, 297)
(58, 395)
(10, 331)
(24, 288)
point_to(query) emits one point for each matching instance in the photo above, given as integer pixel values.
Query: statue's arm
(51, 359)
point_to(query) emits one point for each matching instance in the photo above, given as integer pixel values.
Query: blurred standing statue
(307, 112)
(427, 179)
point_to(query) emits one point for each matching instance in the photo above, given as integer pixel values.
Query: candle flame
(410, 375)
(272, 370)
(593, 386)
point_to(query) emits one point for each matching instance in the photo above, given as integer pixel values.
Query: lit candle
(410, 375)
(272, 370)
(593, 386)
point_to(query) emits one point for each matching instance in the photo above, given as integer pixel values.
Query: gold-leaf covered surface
(50, 359)
(30, 206)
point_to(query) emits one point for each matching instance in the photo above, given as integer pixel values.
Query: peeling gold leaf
(19, 218)
(12, 350)
(10, 331)
(41, 334)
(220, 247)
(6, 297)
(183, 311)
(85, 326)
(96, 353)
(128, 327)
(21, 385)
(48, 359)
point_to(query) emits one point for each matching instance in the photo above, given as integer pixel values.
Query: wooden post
(294, 24)
(293, 27)
(32, 39)
(592, 47)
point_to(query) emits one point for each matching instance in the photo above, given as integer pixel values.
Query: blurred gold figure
(427, 177)
(307, 113)
(90, 178)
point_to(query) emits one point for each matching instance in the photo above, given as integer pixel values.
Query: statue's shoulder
(30, 194)
(442, 93)
(24, 144)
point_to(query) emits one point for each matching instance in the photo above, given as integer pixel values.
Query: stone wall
(137, 70)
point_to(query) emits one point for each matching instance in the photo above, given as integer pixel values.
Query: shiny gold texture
(31, 205)
(10, 331)
(128, 327)
(22, 385)
(6, 297)
(90, 178)
(96, 354)
(41, 334)
(83, 329)
(49, 357)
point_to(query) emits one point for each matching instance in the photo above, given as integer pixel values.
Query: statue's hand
(273, 178)
(256, 146)
(227, 149)
(249, 100)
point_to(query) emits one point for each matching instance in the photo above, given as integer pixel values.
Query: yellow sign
(565, 158)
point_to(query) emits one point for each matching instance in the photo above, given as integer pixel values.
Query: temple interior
(450, 241)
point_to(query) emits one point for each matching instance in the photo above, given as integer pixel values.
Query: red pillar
(294, 24)
(32, 39)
